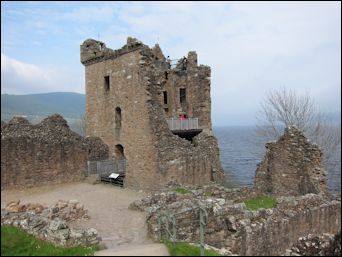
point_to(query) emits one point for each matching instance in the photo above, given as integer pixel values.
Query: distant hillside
(69, 105)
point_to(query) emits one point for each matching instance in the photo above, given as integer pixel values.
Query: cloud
(24, 78)
(250, 47)
(90, 14)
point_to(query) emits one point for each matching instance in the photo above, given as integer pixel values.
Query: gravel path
(107, 207)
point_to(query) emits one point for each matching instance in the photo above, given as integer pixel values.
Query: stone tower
(152, 112)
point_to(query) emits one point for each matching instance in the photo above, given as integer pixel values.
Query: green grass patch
(16, 242)
(209, 193)
(185, 249)
(182, 190)
(259, 202)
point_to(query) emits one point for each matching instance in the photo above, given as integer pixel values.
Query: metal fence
(182, 124)
(106, 166)
(167, 223)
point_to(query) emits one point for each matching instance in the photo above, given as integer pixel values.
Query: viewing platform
(185, 128)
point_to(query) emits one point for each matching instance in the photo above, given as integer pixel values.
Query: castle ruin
(46, 153)
(153, 112)
(292, 167)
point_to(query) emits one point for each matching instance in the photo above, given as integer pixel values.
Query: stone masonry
(130, 94)
(51, 223)
(230, 225)
(46, 153)
(291, 167)
(291, 172)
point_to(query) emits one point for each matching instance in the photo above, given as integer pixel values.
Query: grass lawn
(16, 242)
(185, 249)
(259, 202)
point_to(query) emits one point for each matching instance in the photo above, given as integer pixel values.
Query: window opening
(117, 117)
(106, 84)
(165, 97)
(182, 95)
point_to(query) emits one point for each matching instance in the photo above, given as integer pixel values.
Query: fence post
(174, 229)
(159, 223)
(168, 218)
(203, 223)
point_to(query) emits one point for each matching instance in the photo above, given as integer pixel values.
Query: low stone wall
(46, 153)
(321, 245)
(287, 223)
(50, 223)
(240, 231)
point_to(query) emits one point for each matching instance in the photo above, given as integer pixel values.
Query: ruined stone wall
(137, 79)
(46, 153)
(290, 222)
(292, 166)
(240, 231)
(196, 81)
(291, 171)
(180, 160)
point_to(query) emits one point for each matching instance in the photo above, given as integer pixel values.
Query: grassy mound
(16, 242)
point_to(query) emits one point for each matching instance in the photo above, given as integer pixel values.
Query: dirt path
(107, 207)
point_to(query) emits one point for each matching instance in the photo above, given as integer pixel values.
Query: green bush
(185, 249)
(16, 242)
(259, 202)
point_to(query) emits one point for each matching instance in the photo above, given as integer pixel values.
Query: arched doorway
(119, 152)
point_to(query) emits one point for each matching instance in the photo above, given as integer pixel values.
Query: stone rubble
(51, 223)
(321, 245)
(66, 210)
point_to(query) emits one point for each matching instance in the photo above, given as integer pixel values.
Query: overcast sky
(252, 47)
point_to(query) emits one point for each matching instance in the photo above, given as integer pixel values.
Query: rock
(231, 223)
(63, 233)
(61, 204)
(91, 232)
(50, 224)
(54, 210)
(57, 224)
(12, 203)
(73, 202)
(77, 233)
